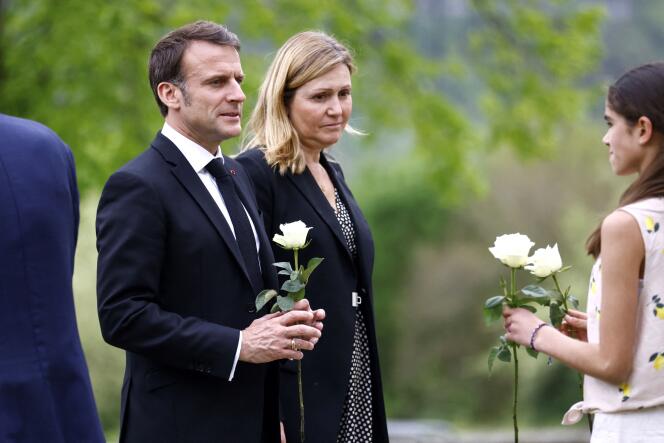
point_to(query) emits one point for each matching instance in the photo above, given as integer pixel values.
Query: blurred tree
(534, 55)
(493, 74)
(521, 82)
(79, 66)
(633, 35)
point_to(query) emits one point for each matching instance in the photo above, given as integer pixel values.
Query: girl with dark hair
(619, 343)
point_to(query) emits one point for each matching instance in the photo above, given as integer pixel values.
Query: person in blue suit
(45, 391)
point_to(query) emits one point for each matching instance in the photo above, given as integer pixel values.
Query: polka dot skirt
(356, 420)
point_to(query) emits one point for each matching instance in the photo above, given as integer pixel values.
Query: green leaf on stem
(530, 351)
(492, 357)
(536, 292)
(292, 286)
(263, 297)
(297, 296)
(311, 265)
(564, 268)
(504, 354)
(284, 265)
(284, 272)
(556, 313)
(492, 302)
(295, 275)
(493, 308)
(285, 303)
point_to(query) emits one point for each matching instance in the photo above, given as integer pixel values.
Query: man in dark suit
(182, 256)
(45, 392)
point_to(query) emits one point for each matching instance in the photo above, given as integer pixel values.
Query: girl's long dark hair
(638, 93)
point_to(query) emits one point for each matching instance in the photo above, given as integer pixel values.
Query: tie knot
(217, 169)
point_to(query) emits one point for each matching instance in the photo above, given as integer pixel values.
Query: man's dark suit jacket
(173, 292)
(45, 392)
(326, 370)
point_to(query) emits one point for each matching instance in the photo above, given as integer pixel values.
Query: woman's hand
(283, 432)
(575, 325)
(319, 314)
(519, 324)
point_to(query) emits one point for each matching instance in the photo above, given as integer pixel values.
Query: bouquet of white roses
(512, 250)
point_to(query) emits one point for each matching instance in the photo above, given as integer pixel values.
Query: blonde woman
(303, 108)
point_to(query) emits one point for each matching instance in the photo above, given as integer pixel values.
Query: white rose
(294, 235)
(512, 249)
(545, 261)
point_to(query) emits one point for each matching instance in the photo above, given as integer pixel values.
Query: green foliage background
(481, 117)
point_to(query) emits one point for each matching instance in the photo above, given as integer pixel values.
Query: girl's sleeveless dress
(634, 410)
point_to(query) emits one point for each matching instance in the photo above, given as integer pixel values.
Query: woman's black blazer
(287, 198)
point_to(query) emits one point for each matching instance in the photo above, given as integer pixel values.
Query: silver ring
(292, 345)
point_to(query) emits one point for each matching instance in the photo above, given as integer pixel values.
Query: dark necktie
(243, 233)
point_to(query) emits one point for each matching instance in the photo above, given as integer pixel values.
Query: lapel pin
(233, 172)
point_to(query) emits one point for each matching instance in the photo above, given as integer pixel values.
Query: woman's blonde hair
(304, 57)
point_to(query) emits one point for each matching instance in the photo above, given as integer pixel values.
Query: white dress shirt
(199, 157)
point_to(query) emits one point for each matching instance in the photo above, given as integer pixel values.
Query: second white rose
(545, 261)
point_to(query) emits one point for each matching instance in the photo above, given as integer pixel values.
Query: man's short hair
(166, 56)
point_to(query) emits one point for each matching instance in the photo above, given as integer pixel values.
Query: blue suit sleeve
(75, 198)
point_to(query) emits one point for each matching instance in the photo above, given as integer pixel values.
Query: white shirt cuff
(237, 357)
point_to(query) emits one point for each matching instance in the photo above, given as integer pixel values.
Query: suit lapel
(307, 185)
(363, 239)
(362, 232)
(189, 179)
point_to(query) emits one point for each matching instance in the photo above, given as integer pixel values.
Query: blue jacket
(45, 391)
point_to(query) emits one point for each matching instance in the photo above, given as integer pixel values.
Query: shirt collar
(197, 156)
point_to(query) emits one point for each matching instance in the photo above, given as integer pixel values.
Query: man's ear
(644, 126)
(170, 95)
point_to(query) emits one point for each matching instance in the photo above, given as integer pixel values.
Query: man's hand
(278, 336)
